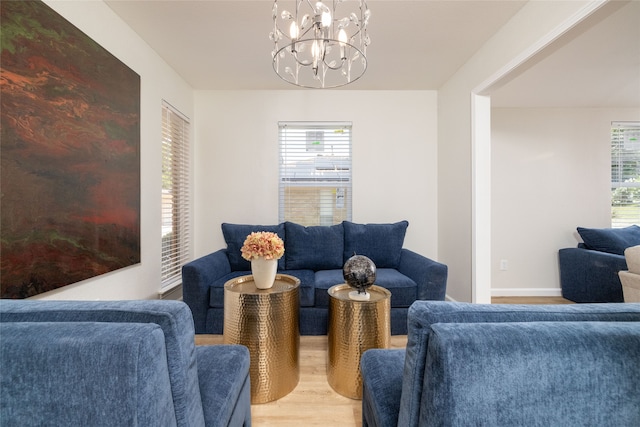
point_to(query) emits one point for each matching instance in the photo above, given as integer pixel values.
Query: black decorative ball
(359, 272)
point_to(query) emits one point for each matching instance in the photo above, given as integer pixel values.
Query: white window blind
(625, 174)
(175, 194)
(315, 172)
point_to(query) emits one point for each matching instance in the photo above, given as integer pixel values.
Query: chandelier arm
(303, 63)
(342, 61)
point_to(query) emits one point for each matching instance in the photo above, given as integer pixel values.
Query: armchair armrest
(590, 276)
(197, 277)
(429, 275)
(223, 373)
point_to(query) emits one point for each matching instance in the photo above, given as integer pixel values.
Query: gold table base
(266, 322)
(354, 327)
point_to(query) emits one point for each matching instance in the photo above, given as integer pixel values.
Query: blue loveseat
(589, 272)
(316, 255)
(508, 365)
(127, 363)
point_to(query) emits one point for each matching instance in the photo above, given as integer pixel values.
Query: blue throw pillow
(380, 242)
(611, 240)
(314, 248)
(235, 235)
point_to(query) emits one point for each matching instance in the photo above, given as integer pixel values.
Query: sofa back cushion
(84, 374)
(611, 240)
(173, 317)
(534, 373)
(382, 243)
(423, 314)
(313, 248)
(236, 234)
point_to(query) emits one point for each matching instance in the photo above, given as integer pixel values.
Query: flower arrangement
(262, 244)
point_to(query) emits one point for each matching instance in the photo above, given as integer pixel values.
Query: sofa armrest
(590, 276)
(223, 373)
(197, 277)
(429, 275)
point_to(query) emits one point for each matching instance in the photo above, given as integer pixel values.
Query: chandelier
(321, 44)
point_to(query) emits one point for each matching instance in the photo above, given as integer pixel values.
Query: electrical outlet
(504, 265)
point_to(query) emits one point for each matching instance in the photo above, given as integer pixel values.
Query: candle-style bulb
(342, 39)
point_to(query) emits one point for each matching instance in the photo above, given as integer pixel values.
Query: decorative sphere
(359, 272)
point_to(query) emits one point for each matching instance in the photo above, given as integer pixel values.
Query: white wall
(394, 157)
(526, 31)
(550, 174)
(158, 81)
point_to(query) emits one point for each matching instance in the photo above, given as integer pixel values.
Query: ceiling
(416, 45)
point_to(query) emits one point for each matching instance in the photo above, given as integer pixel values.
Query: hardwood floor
(313, 402)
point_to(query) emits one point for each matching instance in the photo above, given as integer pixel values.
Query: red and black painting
(69, 154)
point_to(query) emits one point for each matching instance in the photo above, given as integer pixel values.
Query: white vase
(264, 272)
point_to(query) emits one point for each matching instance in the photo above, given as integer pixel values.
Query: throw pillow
(314, 248)
(611, 240)
(235, 235)
(382, 243)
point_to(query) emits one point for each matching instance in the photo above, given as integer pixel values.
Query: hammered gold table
(354, 327)
(266, 322)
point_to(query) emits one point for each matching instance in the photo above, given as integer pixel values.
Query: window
(625, 174)
(315, 172)
(175, 194)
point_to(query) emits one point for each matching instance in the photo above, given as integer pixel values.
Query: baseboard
(526, 292)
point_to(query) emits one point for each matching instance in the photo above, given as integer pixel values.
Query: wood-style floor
(313, 402)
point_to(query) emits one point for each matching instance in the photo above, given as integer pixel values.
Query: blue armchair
(508, 365)
(589, 272)
(116, 363)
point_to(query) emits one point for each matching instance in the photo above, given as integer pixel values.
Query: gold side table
(266, 322)
(354, 327)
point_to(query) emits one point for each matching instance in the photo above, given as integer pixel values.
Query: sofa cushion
(403, 289)
(236, 234)
(315, 248)
(611, 240)
(307, 285)
(216, 290)
(382, 243)
(632, 256)
(306, 290)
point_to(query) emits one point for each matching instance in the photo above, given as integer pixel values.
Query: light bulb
(326, 19)
(342, 38)
(293, 31)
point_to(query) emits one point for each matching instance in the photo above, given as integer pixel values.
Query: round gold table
(354, 327)
(266, 322)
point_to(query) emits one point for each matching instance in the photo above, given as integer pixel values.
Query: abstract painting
(69, 154)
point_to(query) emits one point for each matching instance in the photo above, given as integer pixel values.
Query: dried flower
(262, 244)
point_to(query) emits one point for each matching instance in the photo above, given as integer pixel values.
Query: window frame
(176, 195)
(625, 174)
(316, 156)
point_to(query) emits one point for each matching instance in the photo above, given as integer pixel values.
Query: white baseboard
(526, 292)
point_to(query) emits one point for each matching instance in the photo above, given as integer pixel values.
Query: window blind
(625, 174)
(315, 172)
(175, 194)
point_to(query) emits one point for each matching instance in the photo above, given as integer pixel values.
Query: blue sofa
(127, 363)
(508, 365)
(316, 255)
(589, 272)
